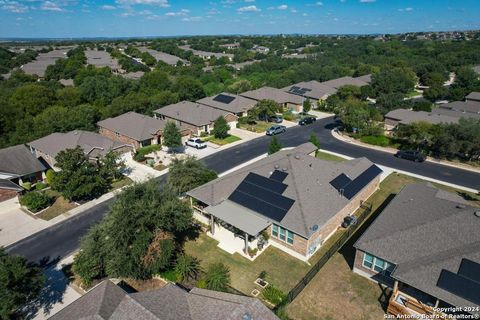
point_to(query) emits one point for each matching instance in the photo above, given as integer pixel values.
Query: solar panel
(340, 181)
(469, 269)
(361, 181)
(265, 195)
(258, 205)
(459, 286)
(224, 98)
(266, 183)
(278, 175)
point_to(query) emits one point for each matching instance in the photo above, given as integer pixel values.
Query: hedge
(382, 141)
(35, 201)
(142, 152)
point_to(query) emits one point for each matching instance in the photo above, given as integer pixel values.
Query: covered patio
(237, 229)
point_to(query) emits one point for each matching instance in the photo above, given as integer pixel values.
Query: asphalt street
(62, 239)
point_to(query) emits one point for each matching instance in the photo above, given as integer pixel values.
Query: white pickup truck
(196, 143)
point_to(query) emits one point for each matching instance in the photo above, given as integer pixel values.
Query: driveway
(138, 172)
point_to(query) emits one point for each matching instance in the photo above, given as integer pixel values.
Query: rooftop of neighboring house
(229, 102)
(269, 93)
(108, 301)
(309, 182)
(66, 82)
(473, 96)
(343, 81)
(18, 161)
(206, 53)
(101, 59)
(43, 60)
(93, 144)
(455, 113)
(162, 56)
(463, 106)
(191, 112)
(311, 89)
(134, 125)
(405, 116)
(423, 231)
(133, 75)
(9, 185)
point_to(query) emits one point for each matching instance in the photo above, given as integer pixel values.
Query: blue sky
(126, 18)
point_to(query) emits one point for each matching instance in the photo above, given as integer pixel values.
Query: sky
(142, 18)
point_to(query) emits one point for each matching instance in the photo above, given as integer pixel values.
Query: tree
(187, 267)
(171, 136)
(220, 128)
(274, 146)
(188, 88)
(314, 140)
(396, 80)
(264, 109)
(307, 105)
(423, 105)
(217, 277)
(187, 174)
(20, 284)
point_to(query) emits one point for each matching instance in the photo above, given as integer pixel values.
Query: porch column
(395, 287)
(246, 243)
(212, 224)
(191, 202)
(436, 303)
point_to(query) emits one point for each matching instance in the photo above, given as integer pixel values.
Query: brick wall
(124, 139)
(6, 194)
(299, 243)
(230, 117)
(358, 268)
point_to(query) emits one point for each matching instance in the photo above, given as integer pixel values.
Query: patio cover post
(212, 224)
(246, 243)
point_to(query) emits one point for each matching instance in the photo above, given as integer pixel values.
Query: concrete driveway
(138, 172)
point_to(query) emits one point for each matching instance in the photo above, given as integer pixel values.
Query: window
(367, 261)
(379, 265)
(282, 234)
(275, 231)
(289, 237)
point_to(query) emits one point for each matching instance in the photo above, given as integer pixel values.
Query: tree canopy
(187, 174)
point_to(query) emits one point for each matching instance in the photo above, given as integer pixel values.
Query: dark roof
(19, 161)
(229, 102)
(307, 183)
(473, 96)
(311, 89)
(169, 303)
(462, 106)
(269, 93)
(424, 230)
(7, 184)
(192, 113)
(406, 116)
(343, 81)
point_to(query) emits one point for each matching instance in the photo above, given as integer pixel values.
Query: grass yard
(60, 206)
(125, 181)
(258, 127)
(328, 156)
(283, 271)
(221, 142)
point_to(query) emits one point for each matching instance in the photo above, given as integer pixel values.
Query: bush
(170, 275)
(50, 173)
(273, 294)
(202, 284)
(187, 267)
(142, 152)
(40, 186)
(262, 274)
(382, 141)
(27, 186)
(217, 277)
(35, 201)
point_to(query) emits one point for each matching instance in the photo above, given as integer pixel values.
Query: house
(424, 245)
(207, 55)
(284, 99)
(477, 69)
(162, 56)
(194, 116)
(312, 90)
(232, 103)
(42, 61)
(108, 301)
(406, 116)
(294, 197)
(260, 49)
(134, 129)
(93, 144)
(473, 97)
(230, 46)
(17, 166)
(344, 81)
(101, 59)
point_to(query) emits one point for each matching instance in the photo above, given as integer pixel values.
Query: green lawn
(125, 181)
(60, 206)
(221, 142)
(413, 94)
(329, 157)
(283, 271)
(259, 126)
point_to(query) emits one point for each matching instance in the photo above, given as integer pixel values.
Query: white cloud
(213, 11)
(367, 1)
(282, 7)
(192, 19)
(304, 14)
(319, 3)
(249, 9)
(249, 0)
(13, 6)
(160, 3)
(182, 12)
(406, 9)
(108, 7)
(51, 6)
(293, 11)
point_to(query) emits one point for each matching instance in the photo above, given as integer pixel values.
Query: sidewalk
(343, 138)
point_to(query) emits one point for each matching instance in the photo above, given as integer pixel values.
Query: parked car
(275, 118)
(307, 120)
(196, 143)
(412, 155)
(273, 130)
(349, 221)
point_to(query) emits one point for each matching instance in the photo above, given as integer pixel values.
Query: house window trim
(283, 234)
(385, 267)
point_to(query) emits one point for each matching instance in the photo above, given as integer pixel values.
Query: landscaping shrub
(27, 186)
(50, 173)
(187, 267)
(273, 294)
(142, 152)
(382, 141)
(35, 201)
(40, 186)
(289, 116)
(217, 277)
(170, 275)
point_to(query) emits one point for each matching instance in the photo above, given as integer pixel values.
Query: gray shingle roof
(424, 230)
(101, 59)
(162, 56)
(191, 112)
(43, 60)
(317, 89)
(269, 93)
(343, 81)
(237, 105)
(168, 303)
(7, 184)
(92, 143)
(473, 96)
(19, 161)
(461, 106)
(308, 184)
(406, 116)
(134, 125)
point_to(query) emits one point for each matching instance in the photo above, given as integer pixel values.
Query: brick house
(95, 146)
(298, 199)
(135, 129)
(286, 100)
(425, 246)
(232, 103)
(17, 166)
(194, 116)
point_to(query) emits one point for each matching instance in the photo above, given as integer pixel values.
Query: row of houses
(449, 113)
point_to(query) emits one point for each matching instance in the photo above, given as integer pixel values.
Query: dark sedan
(412, 155)
(307, 120)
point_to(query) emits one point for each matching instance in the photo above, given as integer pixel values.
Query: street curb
(340, 137)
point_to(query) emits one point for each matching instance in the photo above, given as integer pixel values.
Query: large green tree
(20, 284)
(220, 128)
(264, 109)
(274, 146)
(171, 136)
(188, 174)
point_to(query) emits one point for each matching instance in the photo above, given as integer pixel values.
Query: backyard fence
(326, 256)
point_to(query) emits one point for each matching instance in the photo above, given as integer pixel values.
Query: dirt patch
(145, 285)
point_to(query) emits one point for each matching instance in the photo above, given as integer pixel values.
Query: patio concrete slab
(138, 172)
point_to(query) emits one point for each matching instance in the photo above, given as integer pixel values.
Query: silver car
(273, 130)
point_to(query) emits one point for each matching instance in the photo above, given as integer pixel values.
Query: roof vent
(277, 166)
(284, 169)
(477, 213)
(247, 316)
(460, 206)
(297, 157)
(314, 227)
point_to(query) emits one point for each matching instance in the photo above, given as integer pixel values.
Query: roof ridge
(131, 297)
(294, 182)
